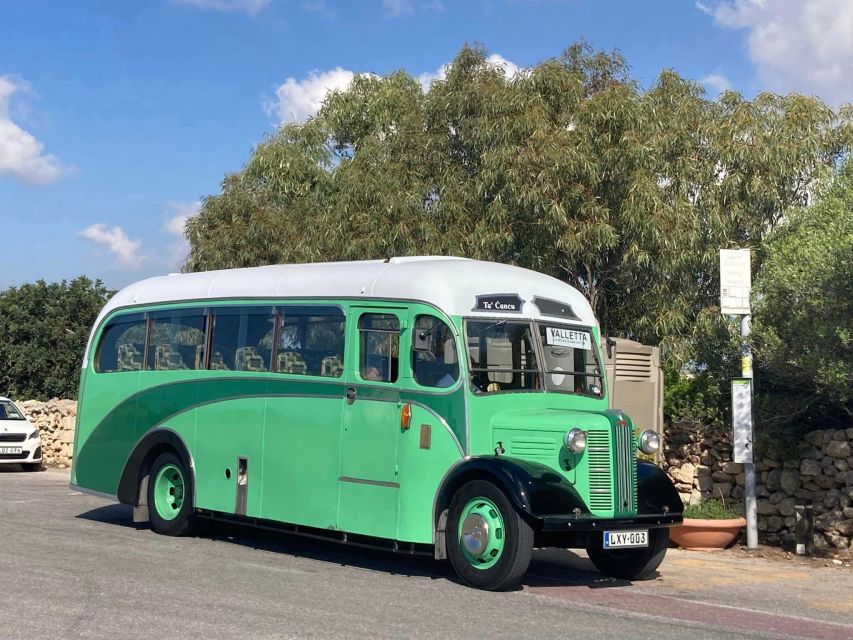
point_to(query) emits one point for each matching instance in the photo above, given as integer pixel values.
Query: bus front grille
(626, 468)
(600, 474)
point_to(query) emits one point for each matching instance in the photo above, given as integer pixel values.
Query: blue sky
(117, 117)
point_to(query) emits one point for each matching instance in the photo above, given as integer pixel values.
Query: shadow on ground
(549, 567)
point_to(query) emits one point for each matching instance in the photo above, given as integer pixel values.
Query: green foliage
(43, 333)
(803, 328)
(710, 510)
(569, 168)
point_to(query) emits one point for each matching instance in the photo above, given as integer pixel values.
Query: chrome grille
(600, 476)
(626, 468)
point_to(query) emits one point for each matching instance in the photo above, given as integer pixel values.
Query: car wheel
(170, 497)
(631, 564)
(488, 542)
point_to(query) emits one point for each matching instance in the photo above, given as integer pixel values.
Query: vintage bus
(428, 405)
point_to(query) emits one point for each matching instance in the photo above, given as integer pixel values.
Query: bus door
(369, 480)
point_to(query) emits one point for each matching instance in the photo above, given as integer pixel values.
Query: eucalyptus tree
(568, 167)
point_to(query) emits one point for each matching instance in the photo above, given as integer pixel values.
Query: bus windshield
(571, 362)
(503, 356)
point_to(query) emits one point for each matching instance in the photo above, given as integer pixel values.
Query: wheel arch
(138, 467)
(535, 490)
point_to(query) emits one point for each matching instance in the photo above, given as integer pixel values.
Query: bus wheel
(630, 564)
(488, 543)
(170, 497)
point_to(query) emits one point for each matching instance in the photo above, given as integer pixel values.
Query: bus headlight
(576, 440)
(649, 441)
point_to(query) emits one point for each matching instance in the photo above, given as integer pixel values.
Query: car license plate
(10, 450)
(625, 539)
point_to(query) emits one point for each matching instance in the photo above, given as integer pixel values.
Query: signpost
(735, 289)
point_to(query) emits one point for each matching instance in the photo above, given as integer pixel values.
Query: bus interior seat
(332, 366)
(129, 357)
(248, 359)
(292, 362)
(167, 358)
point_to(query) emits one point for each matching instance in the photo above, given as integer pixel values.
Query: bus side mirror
(421, 340)
(610, 344)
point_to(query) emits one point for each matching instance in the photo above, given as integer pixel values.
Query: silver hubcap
(475, 534)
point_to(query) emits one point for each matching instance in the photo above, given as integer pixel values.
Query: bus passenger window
(311, 341)
(434, 361)
(242, 338)
(177, 340)
(122, 344)
(379, 347)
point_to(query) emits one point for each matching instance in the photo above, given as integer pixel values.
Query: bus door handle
(350, 395)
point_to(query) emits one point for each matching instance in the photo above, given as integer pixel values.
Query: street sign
(735, 281)
(742, 419)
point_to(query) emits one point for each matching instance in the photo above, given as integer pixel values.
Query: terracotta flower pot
(706, 535)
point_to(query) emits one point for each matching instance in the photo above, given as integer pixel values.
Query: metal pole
(749, 467)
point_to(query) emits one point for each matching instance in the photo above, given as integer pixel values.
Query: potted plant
(708, 525)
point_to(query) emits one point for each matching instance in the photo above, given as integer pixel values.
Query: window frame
(460, 373)
(538, 371)
(399, 317)
(311, 309)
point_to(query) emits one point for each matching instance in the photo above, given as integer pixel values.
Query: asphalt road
(74, 566)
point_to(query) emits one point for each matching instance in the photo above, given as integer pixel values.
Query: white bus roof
(451, 284)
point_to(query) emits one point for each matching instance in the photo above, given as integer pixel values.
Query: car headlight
(576, 440)
(34, 435)
(649, 441)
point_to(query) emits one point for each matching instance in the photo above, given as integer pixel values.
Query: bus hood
(549, 420)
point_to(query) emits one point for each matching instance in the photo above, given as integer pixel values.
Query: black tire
(184, 522)
(31, 466)
(632, 564)
(517, 540)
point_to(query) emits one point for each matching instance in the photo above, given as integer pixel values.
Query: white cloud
(298, 100)
(716, 81)
(248, 6)
(395, 8)
(21, 155)
(126, 251)
(176, 216)
(796, 45)
(510, 70)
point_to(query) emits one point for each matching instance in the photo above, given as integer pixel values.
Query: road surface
(74, 566)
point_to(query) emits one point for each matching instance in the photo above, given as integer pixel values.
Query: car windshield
(571, 362)
(9, 411)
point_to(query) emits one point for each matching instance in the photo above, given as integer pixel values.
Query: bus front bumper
(588, 522)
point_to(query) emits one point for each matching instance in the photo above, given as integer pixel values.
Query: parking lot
(74, 566)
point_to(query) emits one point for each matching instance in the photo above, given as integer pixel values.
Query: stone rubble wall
(55, 421)
(819, 472)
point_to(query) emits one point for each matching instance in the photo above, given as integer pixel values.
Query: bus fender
(655, 491)
(133, 492)
(535, 489)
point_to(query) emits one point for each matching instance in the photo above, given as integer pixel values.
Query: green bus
(443, 406)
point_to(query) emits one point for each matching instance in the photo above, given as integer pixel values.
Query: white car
(20, 442)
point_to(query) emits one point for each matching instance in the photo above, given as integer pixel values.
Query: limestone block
(732, 468)
(809, 467)
(789, 480)
(722, 489)
(838, 449)
(773, 481)
(766, 508)
(786, 507)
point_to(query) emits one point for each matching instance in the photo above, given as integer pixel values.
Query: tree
(43, 333)
(803, 329)
(569, 168)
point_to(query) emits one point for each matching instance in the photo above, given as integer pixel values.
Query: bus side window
(311, 341)
(434, 361)
(379, 347)
(122, 345)
(242, 338)
(175, 340)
